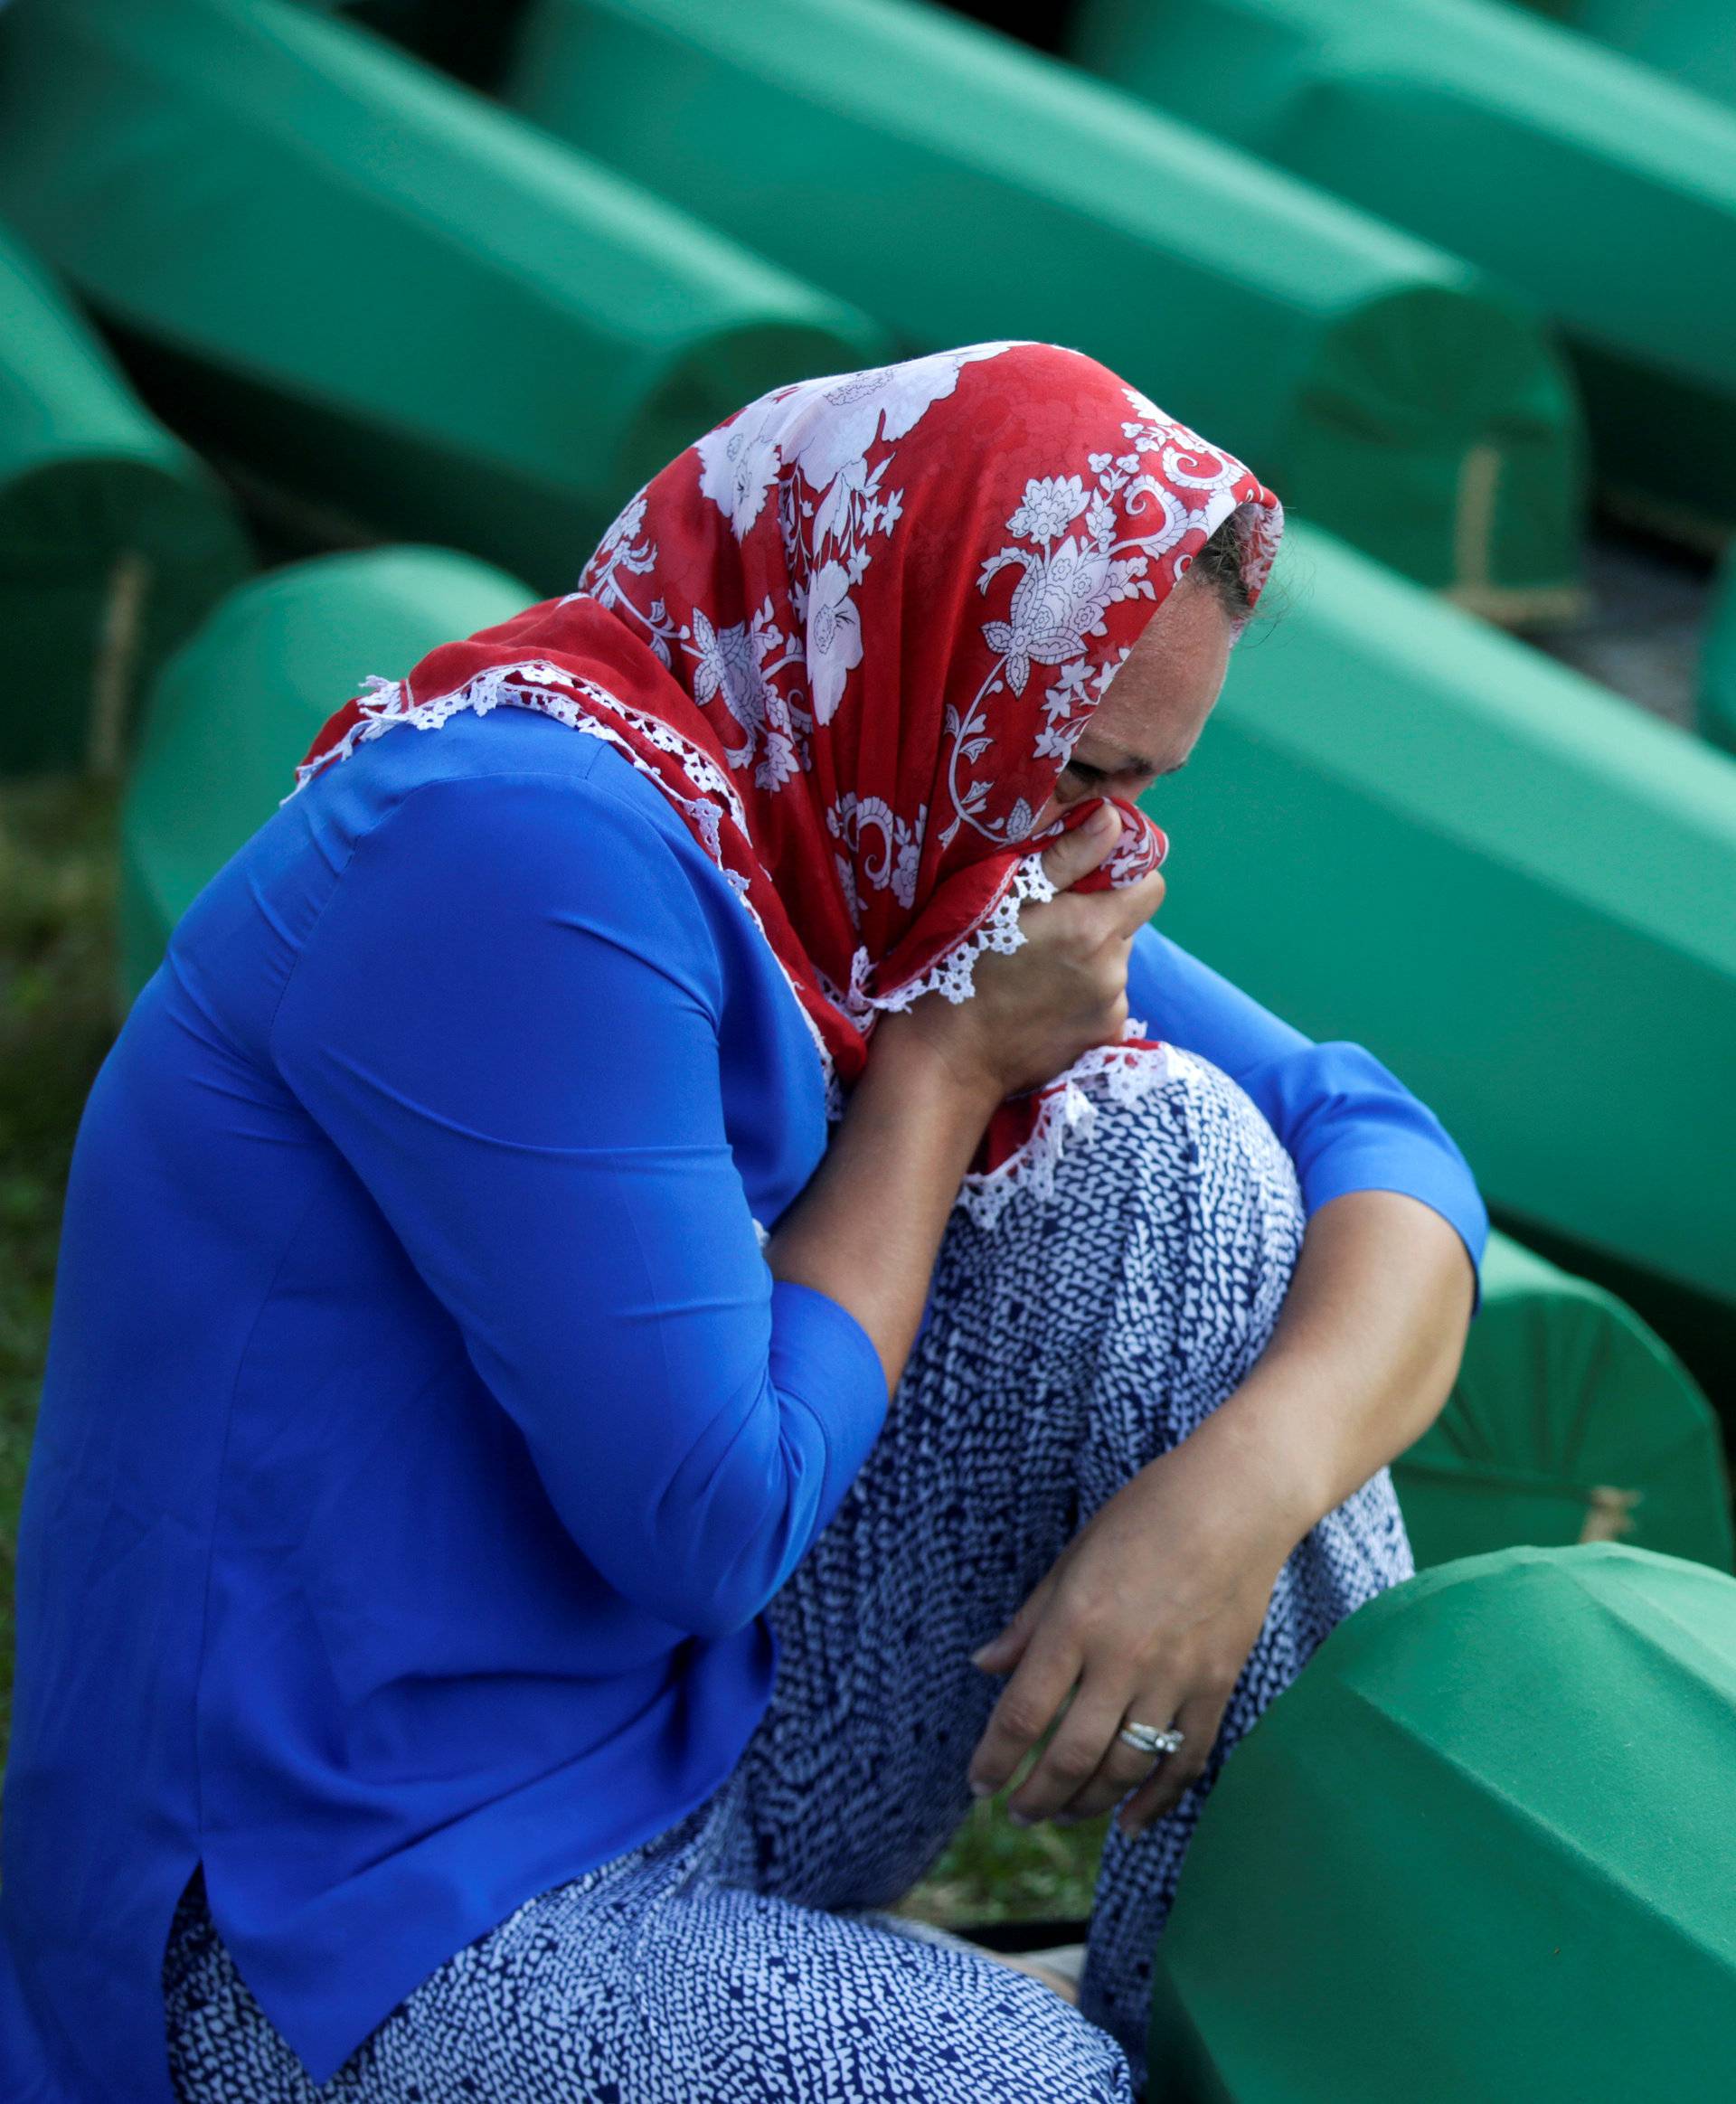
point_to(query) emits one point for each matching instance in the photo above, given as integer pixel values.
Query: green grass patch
(57, 1016)
(997, 1872)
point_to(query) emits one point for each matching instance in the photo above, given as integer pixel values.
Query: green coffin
(1570, 1421)
(113, 538)
(1717, 708)
(1481, 1850)
(236, 709)
(374, 286)
(965, 189)
(1404, 828)
(1602, 192)
(1690, 40)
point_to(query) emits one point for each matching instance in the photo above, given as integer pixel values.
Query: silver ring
(1148, 1738)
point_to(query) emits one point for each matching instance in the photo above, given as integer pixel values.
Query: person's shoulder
(529, 821)
(468, 752)
(563, 788)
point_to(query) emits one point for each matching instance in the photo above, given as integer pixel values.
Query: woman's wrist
(905, 1062)
(1264, 1441)
(867, 1229)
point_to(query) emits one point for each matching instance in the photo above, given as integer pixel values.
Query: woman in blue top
(484, 1629)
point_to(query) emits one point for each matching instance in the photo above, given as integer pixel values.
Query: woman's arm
(868, 1227)
(1152, 1609)
(507, 1022)
(1364, 1354)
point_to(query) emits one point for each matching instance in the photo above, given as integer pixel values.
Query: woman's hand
(1148, 1616)
(1150, 1612)
(1036, 1009)
(866, 1228)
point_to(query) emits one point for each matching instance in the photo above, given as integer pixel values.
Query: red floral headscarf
(853, 634)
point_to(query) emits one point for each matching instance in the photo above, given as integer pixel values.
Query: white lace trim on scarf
(1067, 1117)
(954, 975)
(546, 690)
(1068, 1110)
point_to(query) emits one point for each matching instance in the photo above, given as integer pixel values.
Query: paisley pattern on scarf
(853, 633)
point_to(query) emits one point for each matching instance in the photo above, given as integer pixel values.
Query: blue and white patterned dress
(746, 1953)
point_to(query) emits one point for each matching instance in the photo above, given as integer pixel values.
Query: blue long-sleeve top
(423, 1433)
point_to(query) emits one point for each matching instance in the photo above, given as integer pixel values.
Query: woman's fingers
(1001, 1653)
(1138, 903)
(1112, 917)
(1084, 1753)
(1121, 908)
(1037, 1010)
(1028, 1704)
(1200, 1718)
(1123, 1766)
(1077, 852)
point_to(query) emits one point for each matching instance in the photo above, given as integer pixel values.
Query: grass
(57, 866)
(56, 1016)
(994, 1872)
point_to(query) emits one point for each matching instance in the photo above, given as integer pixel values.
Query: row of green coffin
(1480, 1851)
(1689, 40)
(381, 289)
(961, 187)
(1603, 192)
(341, 271)
(1571, 1419)
(1404, 828)
(114, 538)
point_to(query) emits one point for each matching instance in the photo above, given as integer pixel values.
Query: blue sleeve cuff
(1384, 1161)
(1350, 1125)
(823, 1358)
(1346, 1121)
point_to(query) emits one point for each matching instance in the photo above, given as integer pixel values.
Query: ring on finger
(1150, 1737)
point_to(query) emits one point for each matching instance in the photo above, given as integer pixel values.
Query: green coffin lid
(113, 538)
(1689, 40)
(1570, 1421)
(1403, 828)
(1718, 663)
(237, 708)
(375, 286)
(963, 189)
(1483, 1848)
(1604, 193)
